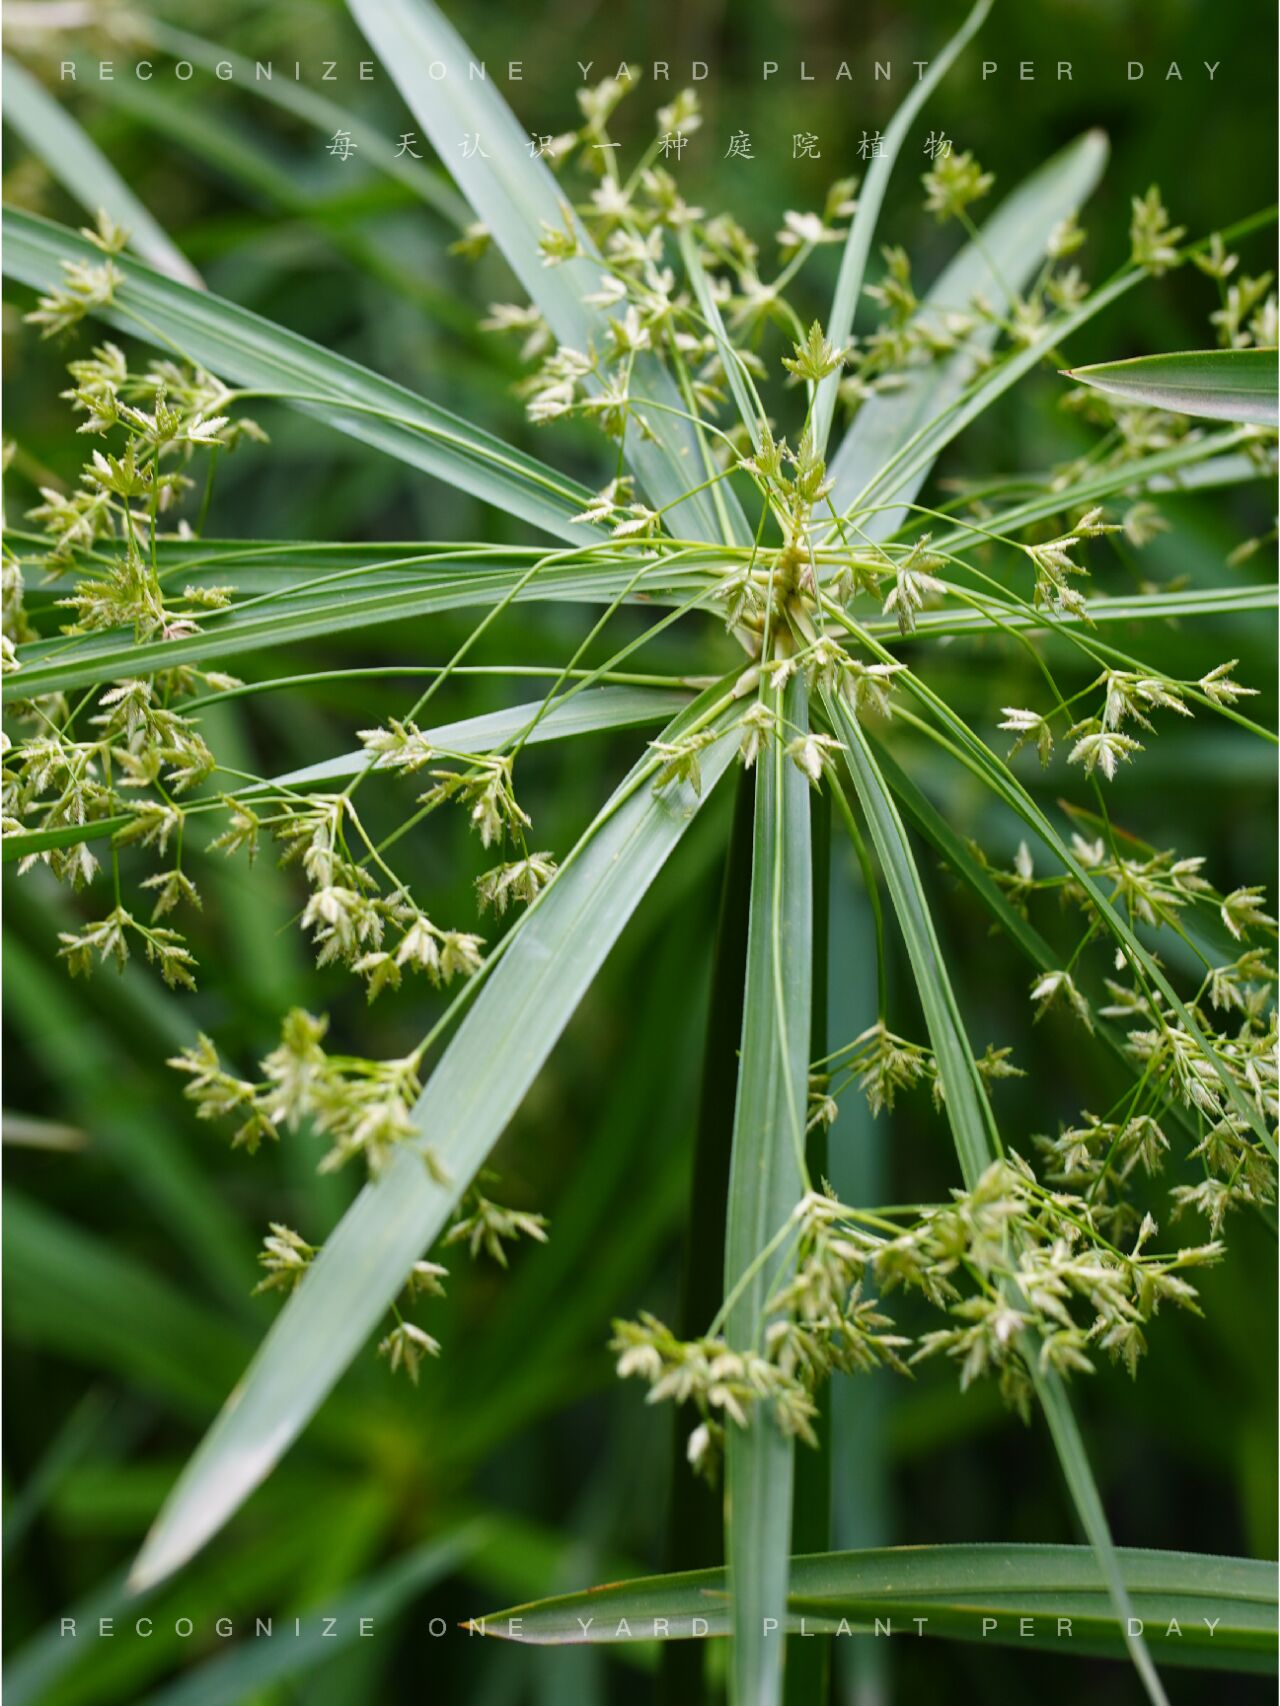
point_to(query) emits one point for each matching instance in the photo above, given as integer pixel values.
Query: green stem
(695, 1537)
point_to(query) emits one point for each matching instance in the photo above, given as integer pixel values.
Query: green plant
(820, 585)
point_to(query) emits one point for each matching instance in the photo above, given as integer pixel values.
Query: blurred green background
(521, 1467)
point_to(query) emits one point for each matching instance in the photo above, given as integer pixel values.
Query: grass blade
(751, 410)
(864, 1408)
(956, 855)
(1186, 464)
(1216, 384)
(51, 666)
(695, 1522)
(979, 758)
(1135, 607)
(298, 567)
(969, 1116)
(853, 263)
(807, 1678)
(766, 1180)
(589, 712)
(1009, 249)
(101, 1308)
(107, 1105)
(515, 196)
(274, 184)
(1051, 1392)
(963, 1096)
(28, 1131)
(246, 350)
(72, 157)
(57, 665)
(549, 961)
(954, 1587)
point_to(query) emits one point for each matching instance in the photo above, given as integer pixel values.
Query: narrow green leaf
(374, 581)
(964, 1098)
(1217, 384)
(51, 1668)
(751, 410)
(1009, 249)
(866, 1437)
(766, 1180)
(936, 830)
(75, 160)
(1134, 607)
(300, 567)
(969, 1116)
(1199, 461)
(70, 1292)
(853, 263)
(588, 712)
(53, 666)
(246, 350)
(1225, 1607)
(28, 1131)
(273, 180)
(516, 196)
(979, 758)
(903, 471)
(72, 1440)
(1051, 1393)
(226, 145)
(807, 1676)
(695, 1518)
(164, 1176)
(548, 961)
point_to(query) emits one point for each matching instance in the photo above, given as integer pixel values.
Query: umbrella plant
(765, 484)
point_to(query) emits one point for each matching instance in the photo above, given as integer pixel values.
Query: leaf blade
(589, 712)
(246, 350)
(968, 1113)
(766, 1180)
(553, 955)
(1011, 245)
(853, 262)
(1220, 384)
(964, 1098)
(514, 195)
(979, 758)
(314, 109)
(48, 666)
(74, 159)
(1009, 1581)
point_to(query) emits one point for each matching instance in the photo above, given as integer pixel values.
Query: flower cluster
(348, 915)
(1046, 1284)
(1098, 742)
(125, 752)
(363, 1107)
(817, 1323)
(1024, 1275)
(286, 1257)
